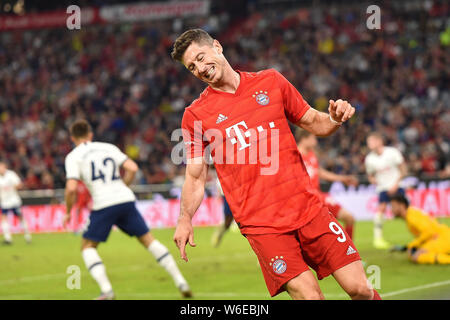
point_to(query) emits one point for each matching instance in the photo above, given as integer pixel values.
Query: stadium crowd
(122, 79)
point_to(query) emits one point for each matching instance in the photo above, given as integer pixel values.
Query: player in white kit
(385, 168)
(10, 201)
(97, 165)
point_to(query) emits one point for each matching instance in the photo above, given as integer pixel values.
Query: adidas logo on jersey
(221, 118)
(350, 250)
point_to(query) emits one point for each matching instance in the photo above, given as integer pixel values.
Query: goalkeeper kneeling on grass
(431, 244)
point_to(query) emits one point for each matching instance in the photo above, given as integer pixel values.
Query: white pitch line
(34, 278)
(417, 288)
(19, 297)
(118, 269)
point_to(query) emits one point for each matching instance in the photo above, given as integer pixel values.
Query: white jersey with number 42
(97, 165)
(385, 167)
(9, 197)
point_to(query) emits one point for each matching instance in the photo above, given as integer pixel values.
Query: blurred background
(116, 71)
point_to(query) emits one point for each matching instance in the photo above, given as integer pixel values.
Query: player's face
(2, 168)
(373, 143)
(206, 62)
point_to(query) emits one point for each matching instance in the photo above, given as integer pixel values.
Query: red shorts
(333, 206)
(321, 244)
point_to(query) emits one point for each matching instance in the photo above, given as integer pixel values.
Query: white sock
(378, 225)
(165, 260)
(96, 268)
(6, 233)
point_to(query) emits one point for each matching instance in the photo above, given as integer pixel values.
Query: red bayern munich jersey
(234, 126)
(312, 167)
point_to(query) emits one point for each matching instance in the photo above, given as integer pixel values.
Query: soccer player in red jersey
(306, 143)
(273, 202)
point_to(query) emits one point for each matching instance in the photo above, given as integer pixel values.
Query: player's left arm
(70, 194)
(322, 124)
(333, 177)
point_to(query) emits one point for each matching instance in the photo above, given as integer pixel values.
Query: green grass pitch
(39, 270)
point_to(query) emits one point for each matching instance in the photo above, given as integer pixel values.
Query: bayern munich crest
(279, 266)
(261, 97)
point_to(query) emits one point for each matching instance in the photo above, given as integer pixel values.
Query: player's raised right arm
(191, 198)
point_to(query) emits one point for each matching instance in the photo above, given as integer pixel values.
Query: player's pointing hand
(184, 234)
(340, 110)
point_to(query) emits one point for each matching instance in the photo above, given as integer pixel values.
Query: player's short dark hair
(80, 129)
(301, 134)
(400, 198)
(186, 39)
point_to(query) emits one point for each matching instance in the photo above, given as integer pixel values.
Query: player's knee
(311, 294)
(361, 291)
(302, 292)
(146, 239)
(85, 244)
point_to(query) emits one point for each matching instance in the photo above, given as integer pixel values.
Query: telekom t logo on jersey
(239, 135)
(257, 152)
(243, 143)
(251, 145)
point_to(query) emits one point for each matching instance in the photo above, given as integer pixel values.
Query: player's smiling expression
(205, 61)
